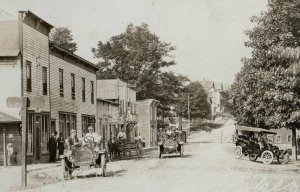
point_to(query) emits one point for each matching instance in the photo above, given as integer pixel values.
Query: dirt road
(207, 165)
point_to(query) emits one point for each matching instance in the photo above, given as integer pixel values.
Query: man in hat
(92, 136)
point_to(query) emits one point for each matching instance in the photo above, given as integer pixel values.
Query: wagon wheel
(103, 165)
(252, 157)
(238, 152)
(267, 157)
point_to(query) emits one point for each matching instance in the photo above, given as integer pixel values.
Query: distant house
(123, 93)
(147, 121)
(213, 90)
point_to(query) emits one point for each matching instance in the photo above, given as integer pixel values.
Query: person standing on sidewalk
(52, 147)
(10, 152)
(60, 145)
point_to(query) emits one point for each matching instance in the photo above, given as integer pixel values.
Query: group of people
(55, 144)
(59, 144)
(168, 133)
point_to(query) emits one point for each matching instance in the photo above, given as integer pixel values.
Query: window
(30, 133)
(92, 92)
(278, 139)
(83, 89)
(121, 107)
(44, 79)
(28, 76)
(87, 120)
(61, 82)
(67, 122)
(73, 86)
(289, 138)
(45, 132)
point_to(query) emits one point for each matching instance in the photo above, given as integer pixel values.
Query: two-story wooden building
(73, 92)
(25, 69)
(119, 91)
(107, 119)
(30, 67)
(147, 121)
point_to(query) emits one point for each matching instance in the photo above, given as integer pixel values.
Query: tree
(138, 57)
(62, 37)
(199, 106)
(262, 92)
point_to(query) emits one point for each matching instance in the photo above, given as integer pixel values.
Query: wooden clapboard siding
(10, 86)
(66, 104)
(36, 50)
(14, 130)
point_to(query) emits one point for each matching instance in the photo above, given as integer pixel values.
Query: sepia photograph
(150, 95)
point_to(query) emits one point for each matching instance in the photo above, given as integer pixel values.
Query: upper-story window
(44, 80)
(92, 92)
(28, 76)
(73, 86)
(83, 89)
(289, 138)
(61, 82)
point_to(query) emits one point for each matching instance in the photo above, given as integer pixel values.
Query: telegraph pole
(24, 142)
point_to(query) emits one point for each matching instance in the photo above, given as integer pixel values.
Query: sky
(208, 35)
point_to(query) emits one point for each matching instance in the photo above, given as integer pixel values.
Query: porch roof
(5, 118)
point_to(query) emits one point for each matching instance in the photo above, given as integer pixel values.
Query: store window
(86, 121)
(30, 133)
(67, 122)
(45, 132)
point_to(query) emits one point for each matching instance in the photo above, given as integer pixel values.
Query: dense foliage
(62, 37)
(262, 93)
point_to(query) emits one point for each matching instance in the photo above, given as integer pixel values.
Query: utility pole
(24, 142)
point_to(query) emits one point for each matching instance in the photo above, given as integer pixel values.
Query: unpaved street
(208, 165)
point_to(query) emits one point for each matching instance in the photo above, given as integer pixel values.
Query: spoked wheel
(238, 152)
(252, 157)
(267, 157)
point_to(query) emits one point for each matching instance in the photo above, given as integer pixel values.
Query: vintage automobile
(84, 156)
(247, 145)
(168, 144)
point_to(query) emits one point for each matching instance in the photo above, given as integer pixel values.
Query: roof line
(53, 46)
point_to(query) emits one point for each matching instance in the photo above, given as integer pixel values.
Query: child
(10, 152)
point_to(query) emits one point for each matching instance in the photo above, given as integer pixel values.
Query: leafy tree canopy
(262, 92)
(139, 57)
(63, 38)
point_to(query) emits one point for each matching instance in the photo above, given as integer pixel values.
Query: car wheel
(238, 152)
(267, 157)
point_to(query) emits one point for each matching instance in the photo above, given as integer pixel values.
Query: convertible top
(255, 129)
